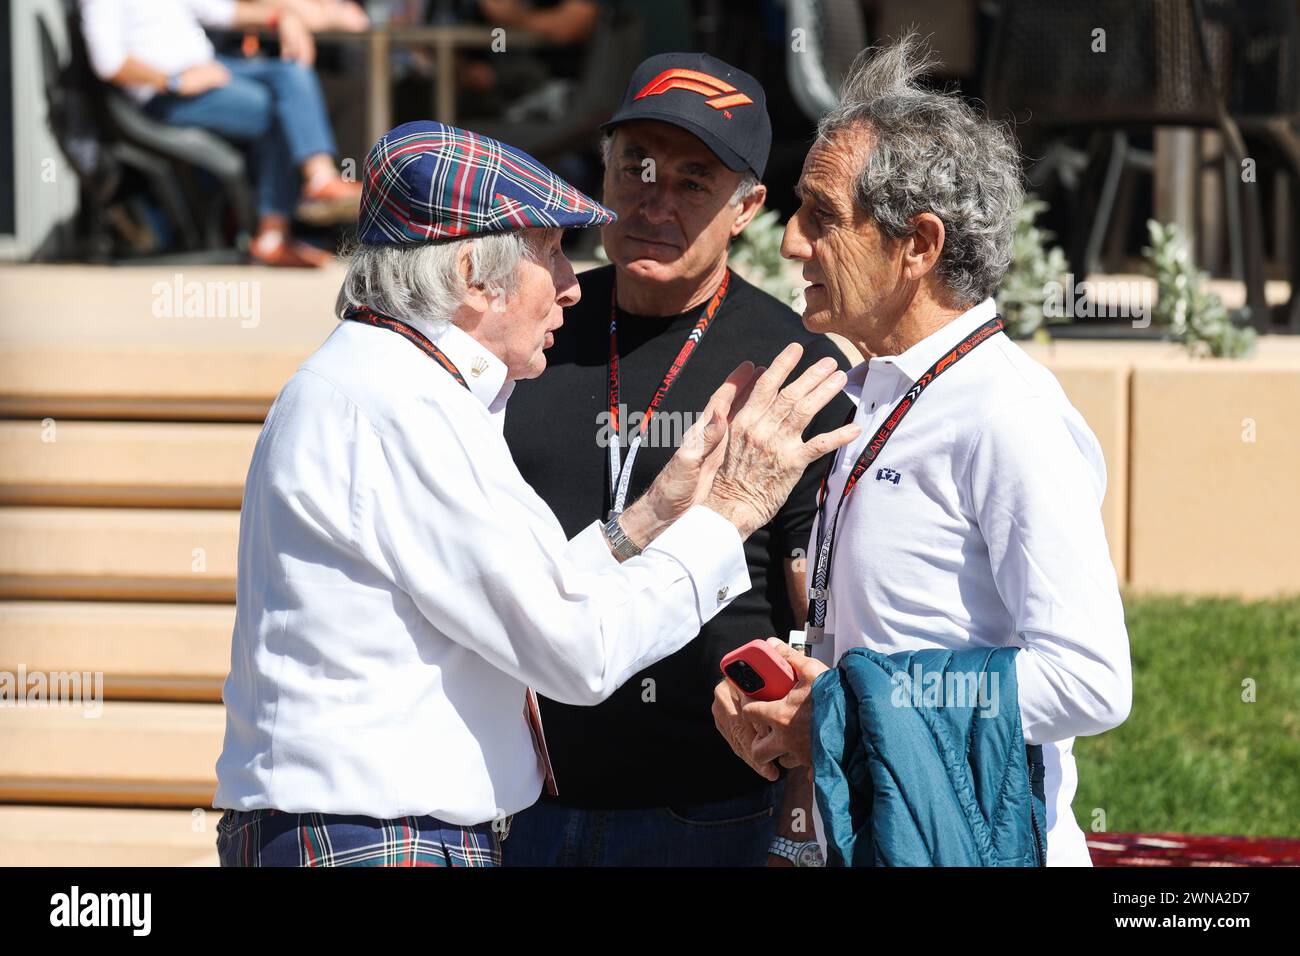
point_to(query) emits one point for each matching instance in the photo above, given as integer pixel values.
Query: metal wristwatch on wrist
(622, 546)
(800, 854)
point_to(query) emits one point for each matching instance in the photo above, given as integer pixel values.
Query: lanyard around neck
(620, 472)
(815, 630)
(368, 317)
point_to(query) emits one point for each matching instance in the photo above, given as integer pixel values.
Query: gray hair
(744, 189)
(423, 281)
(931, 152)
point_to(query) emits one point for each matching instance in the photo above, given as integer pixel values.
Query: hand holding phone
(760, 672)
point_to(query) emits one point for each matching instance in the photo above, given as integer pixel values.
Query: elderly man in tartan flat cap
(402, 590)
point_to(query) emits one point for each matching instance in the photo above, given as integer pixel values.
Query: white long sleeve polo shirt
(979, 525)
(400, 585)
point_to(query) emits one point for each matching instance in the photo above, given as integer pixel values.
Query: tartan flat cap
(425, 181)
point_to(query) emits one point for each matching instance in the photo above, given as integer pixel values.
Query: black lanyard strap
(818, 593)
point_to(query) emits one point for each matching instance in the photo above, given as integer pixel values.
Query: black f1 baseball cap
(723, 106)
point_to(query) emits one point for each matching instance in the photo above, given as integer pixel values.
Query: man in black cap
(643, 778)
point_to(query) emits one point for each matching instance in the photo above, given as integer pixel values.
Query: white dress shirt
(400, 585)
(992, 535)
(164, 34)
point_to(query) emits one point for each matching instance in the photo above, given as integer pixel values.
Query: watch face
(810, 855)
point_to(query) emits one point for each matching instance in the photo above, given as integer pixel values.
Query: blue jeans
(732, 832)
(274, 106)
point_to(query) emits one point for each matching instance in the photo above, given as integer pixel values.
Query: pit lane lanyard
(620, 472)
(815, 630)
(532, 713)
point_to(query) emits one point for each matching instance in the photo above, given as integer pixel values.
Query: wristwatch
(174, 84)
(622, 546)
(800, 854)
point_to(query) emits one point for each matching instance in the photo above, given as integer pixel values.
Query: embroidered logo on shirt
(888, 474)
(479, 367)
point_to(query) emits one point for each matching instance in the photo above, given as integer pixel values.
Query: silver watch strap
(619, 542)
(808, 853)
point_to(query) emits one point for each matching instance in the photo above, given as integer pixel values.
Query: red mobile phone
(759, 671)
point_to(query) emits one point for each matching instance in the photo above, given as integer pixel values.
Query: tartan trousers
(275, 838)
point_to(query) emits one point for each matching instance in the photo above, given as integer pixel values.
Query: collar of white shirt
(915, 360)
(484, 373)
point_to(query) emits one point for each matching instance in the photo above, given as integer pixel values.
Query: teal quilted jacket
(920, 760)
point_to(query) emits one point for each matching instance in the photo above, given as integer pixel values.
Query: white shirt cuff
(708, 546)
(589, 551)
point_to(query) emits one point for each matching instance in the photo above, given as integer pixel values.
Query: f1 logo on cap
(720, 94)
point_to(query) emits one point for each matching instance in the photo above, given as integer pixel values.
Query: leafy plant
(1034, 267)
(1192, 313)
(756, 255)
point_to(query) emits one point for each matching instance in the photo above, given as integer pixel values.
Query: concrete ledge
(136, 465)
(135, 382)
(130, 754)
(118, 554)
(1214, 507)
(194, 343)
(80, 836)
(144, 651)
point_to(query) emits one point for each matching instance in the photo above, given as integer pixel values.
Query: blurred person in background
(565, 30)
(338, 64)
(642, 779)
(489, 83)
(562, 22)
(342, 15)
(666, 24)
(157, 51)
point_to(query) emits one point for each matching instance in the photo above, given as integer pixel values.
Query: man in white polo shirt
(977, 522)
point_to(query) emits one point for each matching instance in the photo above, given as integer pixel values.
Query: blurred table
(379, 42)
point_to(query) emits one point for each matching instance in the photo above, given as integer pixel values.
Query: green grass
(1193, 757)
